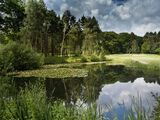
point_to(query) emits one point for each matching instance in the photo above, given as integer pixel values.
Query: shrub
(94, 58)
(157, 51)
(55, 59)
(15, 56)
(102, 57)
(83, 59)
(2, 38)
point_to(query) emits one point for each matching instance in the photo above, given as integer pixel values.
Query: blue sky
(138, 16)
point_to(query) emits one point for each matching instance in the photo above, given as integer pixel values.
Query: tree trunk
(52, 46)
(46, 44)
(64, 35)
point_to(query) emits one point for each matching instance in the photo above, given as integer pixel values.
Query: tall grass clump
(156, 110)
(16, 56)
(102, 57)
(137, 111)
(33, 104)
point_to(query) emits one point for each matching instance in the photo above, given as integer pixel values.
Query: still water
(105, 85)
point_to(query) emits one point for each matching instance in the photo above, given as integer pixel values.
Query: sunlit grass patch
(148, 61)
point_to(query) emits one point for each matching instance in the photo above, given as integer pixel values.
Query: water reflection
(101, 84)
(118, 93)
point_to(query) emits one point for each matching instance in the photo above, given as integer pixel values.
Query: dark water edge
(106, 85)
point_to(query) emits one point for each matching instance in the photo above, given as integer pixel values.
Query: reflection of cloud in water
(122, 92)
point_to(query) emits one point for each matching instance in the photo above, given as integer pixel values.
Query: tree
(68, 22)
(3, 38)
(124, 42)
(34, 30)
(55, 29)
(135, 43)
(11, 17)
(92, 37)
(110, 42)
(145, 48)
(150, 43)
(75, 39)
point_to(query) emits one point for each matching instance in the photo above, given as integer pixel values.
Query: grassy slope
(136, 60)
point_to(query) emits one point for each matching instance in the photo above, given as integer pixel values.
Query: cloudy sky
(138, 16)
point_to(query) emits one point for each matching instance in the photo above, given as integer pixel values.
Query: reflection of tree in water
(68, 89)
(10, 86)
(87, 89)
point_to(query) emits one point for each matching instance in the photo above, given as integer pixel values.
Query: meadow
(149, 61)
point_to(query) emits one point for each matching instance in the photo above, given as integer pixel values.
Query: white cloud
(95, 12)
(143, 28)
(123, 11)
(136, 16)
(64, 7)
(105, 17)
(109, 2)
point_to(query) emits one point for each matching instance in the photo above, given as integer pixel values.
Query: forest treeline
(30, 22)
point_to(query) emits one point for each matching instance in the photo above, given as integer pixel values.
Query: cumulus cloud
(63, 7)
(95, 12)
(112, 94)
(138, 16)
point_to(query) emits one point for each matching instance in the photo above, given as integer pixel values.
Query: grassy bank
(144, 61)
(73, 59)
(73, 67)
(61, 67)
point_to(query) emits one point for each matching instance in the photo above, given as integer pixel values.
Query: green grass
(146, 61)
(72, 59)
(156, 111)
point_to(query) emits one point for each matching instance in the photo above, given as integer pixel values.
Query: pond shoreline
(64, 70)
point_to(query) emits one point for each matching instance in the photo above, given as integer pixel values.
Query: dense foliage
(131, 43)
(15, 56)
(30, 22)
(11, 17)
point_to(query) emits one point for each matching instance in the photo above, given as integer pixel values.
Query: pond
(106, 85)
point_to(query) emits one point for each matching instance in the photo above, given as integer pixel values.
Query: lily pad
(52, 73)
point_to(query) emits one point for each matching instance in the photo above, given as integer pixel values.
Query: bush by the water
(102, 57)
(16, 56)
(55, 59)
(84, 59)
(94, 58)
